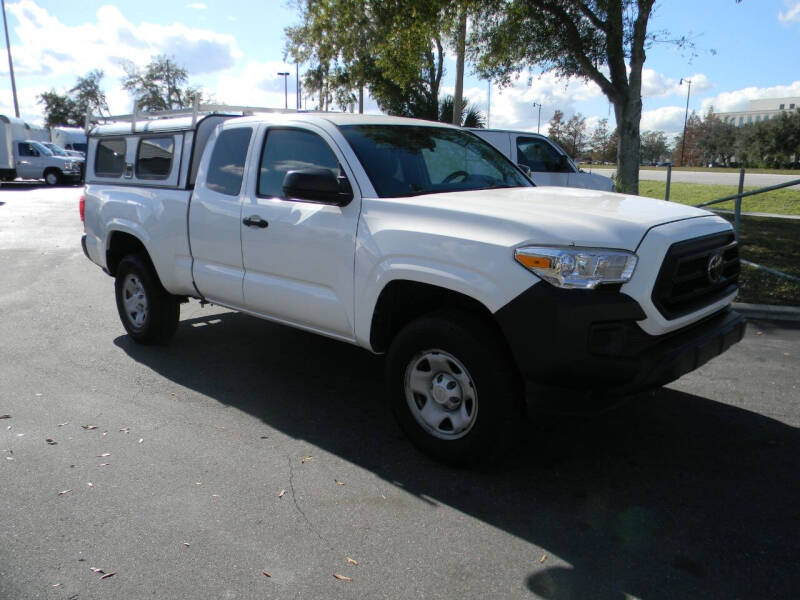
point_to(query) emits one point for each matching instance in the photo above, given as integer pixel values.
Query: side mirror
(525, 169)
(317, 185)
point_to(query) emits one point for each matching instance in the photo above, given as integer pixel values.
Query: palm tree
(470, 115)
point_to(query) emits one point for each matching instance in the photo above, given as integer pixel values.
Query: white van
(35, 161)
(72, 139)
(547, 162)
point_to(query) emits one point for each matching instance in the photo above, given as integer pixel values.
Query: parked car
(547, 162)
(418, 240)
(59, 151)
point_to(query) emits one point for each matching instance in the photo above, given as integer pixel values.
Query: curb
(769, 312)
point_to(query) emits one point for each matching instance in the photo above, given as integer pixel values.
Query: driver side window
(538, 156)
(27, 150)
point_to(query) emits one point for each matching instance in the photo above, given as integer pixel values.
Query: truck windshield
(57, 150)
(410, 160)
(42, 149)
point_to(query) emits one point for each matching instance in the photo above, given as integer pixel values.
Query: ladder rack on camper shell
(195, 111)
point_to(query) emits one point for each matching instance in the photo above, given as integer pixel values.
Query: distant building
(760, 110)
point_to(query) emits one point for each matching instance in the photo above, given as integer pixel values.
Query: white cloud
(668, 119)
(197, 6)
(655, 84)
(792, 14)
(737, 99)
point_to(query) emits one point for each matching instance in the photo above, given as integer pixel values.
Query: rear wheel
(148, 312)
(453, 388)
(52, 177)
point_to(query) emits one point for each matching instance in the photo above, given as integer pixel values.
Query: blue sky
(234, 51)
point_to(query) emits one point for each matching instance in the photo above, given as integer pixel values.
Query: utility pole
(539, 121)
(685, 116)
(297, 84)
(10, 62)
(458, 97)
(489, 106)
(285, 75)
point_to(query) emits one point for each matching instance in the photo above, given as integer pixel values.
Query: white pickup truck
(414, 239)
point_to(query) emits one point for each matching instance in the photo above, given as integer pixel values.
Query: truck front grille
(696, 273)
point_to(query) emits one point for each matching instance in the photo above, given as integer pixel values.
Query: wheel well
(401, 301)
(52, 169)
(120, 245)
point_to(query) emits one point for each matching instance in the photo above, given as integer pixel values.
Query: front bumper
(589, 340)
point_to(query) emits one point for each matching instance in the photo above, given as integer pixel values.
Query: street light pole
(685, 116)
(285, 75)
(10, 63)
(539, 121)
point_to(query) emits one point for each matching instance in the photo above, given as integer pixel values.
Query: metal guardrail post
(737, 209)
(669, 179)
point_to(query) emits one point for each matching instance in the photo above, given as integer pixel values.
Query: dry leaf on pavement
(281, 494)
(267, 574)
(544, 558)
(107, 575)
(104, 454)
(64, 492)
(89, 426)
(5, 416)
(96, 570)
(62, 424)
(351, 561)
(141, 440)
(90, 484)
(103, 464)
(342, 577)
(305, 459)
(339, 482)
(187, 544)
(51, 441)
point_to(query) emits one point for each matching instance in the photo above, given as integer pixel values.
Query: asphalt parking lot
(246, 447)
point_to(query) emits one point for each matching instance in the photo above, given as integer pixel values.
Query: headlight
(69, 165)
(581, 268)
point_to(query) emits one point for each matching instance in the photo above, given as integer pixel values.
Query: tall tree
(557, 129)
(598, 143)
(654, 146)
(575, 135)
(161, 85)
(604, 41)
(396, 50)
(70, 109)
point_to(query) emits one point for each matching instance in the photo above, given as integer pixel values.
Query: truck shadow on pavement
(677, 496)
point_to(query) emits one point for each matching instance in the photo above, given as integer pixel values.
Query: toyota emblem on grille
(714, 268)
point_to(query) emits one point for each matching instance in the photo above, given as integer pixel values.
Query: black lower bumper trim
(589, 340)
(83, 245)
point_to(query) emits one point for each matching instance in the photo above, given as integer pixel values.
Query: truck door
(28, 161)
(548, 166)
(298, 255)
(215, 218)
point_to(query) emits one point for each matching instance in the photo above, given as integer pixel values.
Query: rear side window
(110, 158)
(539, 156)
(154, 158)
(226, 169)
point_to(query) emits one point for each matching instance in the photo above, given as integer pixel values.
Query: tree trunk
(361, 99)
(460, 44)
(628, 117)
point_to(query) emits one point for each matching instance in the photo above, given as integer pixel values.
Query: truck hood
(552, 215)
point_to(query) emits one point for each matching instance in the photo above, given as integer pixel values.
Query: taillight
(82, 208)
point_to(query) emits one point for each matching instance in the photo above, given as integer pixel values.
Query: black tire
(481, 351)
(53, 177)
(157, 323)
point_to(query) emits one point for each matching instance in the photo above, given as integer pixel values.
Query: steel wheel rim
(441, 394)
(51, 178)
(134, 299)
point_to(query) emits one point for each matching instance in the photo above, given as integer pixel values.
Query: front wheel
(53, 177)
(148, 312)
(453, 388)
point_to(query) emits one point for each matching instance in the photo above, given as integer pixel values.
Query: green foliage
(603, 144)
(395, 50)
(655, 146)
(70, 109)
(470, 115)
(161, 85)
(769, 144)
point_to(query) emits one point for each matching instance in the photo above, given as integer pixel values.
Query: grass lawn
(794, 172)
(782, 202)
(774, 243)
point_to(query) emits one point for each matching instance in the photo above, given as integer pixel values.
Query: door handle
(255, 221)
